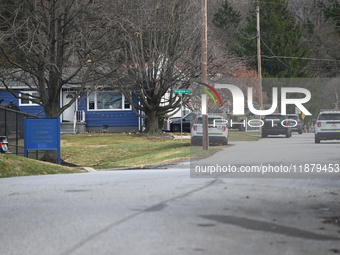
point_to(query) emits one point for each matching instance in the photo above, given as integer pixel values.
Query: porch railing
(80, 115)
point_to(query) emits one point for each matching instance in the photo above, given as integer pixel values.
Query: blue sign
(42, 134)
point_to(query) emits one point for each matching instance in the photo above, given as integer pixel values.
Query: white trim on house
(27, 102)
(114, 102)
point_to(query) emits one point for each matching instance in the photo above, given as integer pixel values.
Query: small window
(329, 116)
(29, 98)
(294, 117)
(127, 105)
(91, 101)
(275, 117)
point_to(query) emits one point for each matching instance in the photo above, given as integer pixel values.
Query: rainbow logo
(211, 94)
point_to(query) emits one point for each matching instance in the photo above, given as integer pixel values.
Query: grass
(236, 136)
(12, 165)
(112, 150)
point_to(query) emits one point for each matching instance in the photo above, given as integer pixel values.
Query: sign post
(181, 92)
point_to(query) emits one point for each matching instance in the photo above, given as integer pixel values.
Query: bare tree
(160, 52)
(54, 44)
(49, 44)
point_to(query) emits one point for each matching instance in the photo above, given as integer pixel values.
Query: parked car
(276, 124)
(175, 123)
(217, 130)
(298, 125)
(327, 126)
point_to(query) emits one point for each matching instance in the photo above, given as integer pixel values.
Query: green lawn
(12, 165)
(113, 150)
(116, 150)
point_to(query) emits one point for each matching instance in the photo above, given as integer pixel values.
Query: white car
(327, 126)
(217, 130)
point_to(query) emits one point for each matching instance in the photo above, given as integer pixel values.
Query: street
(299, 154)
(166, 211)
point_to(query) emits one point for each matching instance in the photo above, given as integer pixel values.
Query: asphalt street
(299, 154)
(166, 211)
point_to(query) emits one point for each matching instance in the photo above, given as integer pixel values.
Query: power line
(274, 56)
(268, 2)
(287, 57)
(312, 59)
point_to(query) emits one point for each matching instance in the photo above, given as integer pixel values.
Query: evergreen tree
(226, 17)
(282, 48)
(227, 20)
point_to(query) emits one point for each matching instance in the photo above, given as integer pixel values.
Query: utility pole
(337, 99)
(205, 42)
(259, 65)
(205, 135)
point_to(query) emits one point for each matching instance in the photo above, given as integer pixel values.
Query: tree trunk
(50, 156)
(152, 126)
(52, 111)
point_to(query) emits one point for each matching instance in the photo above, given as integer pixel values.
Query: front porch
(74, 126)
(67, 128)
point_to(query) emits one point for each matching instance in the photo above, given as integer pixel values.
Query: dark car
(276, 124)
(175, 123)
(297, 123)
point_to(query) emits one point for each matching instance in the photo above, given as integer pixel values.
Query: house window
(28, 98)
(107, 100)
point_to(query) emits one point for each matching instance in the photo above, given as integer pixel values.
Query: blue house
(102, 110)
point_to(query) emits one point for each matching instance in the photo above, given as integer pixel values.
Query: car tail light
(224, 128)
(0, 144)
(318, 124)
(286, 123)
(195, 128)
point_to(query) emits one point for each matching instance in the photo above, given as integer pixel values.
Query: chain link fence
(12, 126)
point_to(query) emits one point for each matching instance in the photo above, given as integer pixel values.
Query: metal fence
(12, 126)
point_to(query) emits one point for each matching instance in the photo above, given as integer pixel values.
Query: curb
(89, 169)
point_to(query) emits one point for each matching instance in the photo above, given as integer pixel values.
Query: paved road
(165, 211)
(299, 154)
